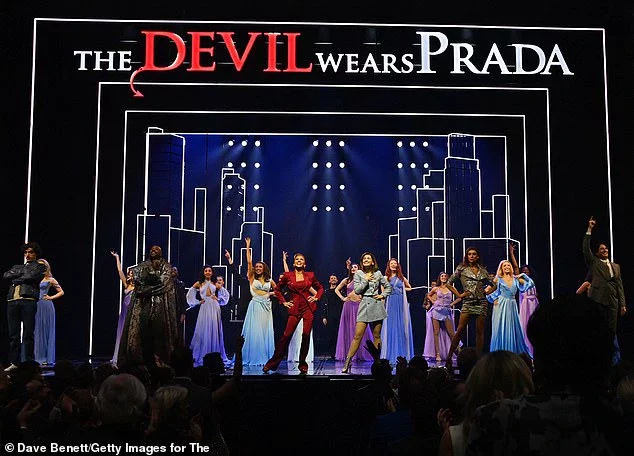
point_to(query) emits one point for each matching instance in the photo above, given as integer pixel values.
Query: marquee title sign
(289, 52)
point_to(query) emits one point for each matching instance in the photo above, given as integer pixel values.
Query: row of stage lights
(329, 165)
(243, 165)
(412, 144)
(412, 165)
(328, 143)
(328, 187)
(329, 208)
(244, 143)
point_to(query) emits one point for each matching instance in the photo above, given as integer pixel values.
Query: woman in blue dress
(257, 330)
(208, 335)
(396, 332)
(45, 318)
(506, 330)
(128, 287)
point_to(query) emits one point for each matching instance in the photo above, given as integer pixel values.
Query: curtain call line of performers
(367, 305)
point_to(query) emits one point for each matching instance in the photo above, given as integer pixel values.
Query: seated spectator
(121, 406)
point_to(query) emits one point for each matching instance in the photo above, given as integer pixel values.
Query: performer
(506, 330)
(367, 282)
(258, 322)
(348, 320)
(294, 346)
(150, 325)
(208, 335)
(472, 275)
(606, 286)
(128, 287)
(331, 315)
(244, 288)
(301, 307)
(22, 303)
(440, 310)
(45, 318)
(396, 333)
(528, 299)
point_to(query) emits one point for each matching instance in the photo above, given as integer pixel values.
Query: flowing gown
(208, 335)
(257, 330)
(528, 304)
(125, 303)
(506, 330)
(347, 325)
(45, 327)
(396, 332)
(441, 311)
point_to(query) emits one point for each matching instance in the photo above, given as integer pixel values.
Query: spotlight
(425, 144)
(256, 164)
(426, 165)
(244, 143)
(315, 143)
(315, 186)
(342, 165)
(257, 143)
(328, 208)
(256, 186)
(400, 165)
(243, 164)
(242, 187)
(413, 165)
(228, 208)
(314, 208)
(229, 187)
(412, 144)
(400, 187)
(342, 187)
(241, 208)
(341, 143)
(413, 187)
(341, 208)
(426, 208)
(328, 165)
(255, 209)
(230, 165)
(230, 142)
(315, 165)
(400, 208)
(328, 187)
(413, 208)
(399, 143)
(329, 143)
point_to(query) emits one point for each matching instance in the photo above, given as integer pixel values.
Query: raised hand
(227, 255)
(247, 240)
(591, 223)
(114, 254)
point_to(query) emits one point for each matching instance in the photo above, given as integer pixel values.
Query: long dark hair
(465, 260)
(202, 273)
(375, 267)
(266, 274)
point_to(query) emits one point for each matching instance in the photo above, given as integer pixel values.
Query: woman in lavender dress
(528, 298)
(45, 318)
(208, 335)
(348, 321)
(396, 332)
(128, 288)
(440, 312)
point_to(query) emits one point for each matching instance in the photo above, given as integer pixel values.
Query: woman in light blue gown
(506, 331)
(44, 333)
(396, 332)
(208, 335)
(257, 330)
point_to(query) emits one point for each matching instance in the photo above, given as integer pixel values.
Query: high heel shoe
(347, 366)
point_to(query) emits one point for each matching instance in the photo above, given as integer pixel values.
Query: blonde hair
(48, 272)
(497, 373)
(499, 272)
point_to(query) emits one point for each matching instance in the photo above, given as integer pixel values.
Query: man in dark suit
(606, 288)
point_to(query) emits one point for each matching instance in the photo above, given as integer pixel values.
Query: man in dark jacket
(22, 303)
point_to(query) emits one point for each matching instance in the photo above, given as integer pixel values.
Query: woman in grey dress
(373, 288)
